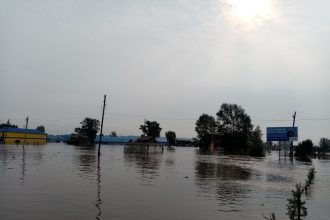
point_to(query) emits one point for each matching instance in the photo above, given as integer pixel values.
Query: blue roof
(21, 130)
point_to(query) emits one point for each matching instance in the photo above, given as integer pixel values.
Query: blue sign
(282, 134)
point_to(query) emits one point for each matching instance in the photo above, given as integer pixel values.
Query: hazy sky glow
(168, 61)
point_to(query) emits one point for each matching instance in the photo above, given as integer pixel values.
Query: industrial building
(10, 135)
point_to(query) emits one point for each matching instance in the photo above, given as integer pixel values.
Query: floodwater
(57, 181)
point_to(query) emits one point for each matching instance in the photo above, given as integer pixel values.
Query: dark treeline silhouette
(232, 130)
(113, 134)
(324, 145)
(8, 125)
(41, 128)
(86, 134)
(151, 129)
(171, 138)
(305, 149)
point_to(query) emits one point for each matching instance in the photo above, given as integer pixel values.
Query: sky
(168, 61)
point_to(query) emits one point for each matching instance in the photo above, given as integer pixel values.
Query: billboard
(282, 134)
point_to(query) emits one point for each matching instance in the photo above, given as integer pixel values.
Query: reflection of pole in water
(98, 184)
(23, 166)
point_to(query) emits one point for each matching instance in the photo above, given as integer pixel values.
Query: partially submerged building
(10, 135)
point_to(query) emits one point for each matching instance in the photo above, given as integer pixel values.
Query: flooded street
(58, 181)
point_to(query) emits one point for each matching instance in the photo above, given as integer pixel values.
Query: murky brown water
(57, 181)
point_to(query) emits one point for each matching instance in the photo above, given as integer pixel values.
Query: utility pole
(26, 126)
(294, 119)
(101, 134)
(291, 147)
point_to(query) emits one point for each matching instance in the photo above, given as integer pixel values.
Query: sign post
(283, 135)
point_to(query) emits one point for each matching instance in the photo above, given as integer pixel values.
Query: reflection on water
(57, 181)
(90, 165)
(86, 158)
(98, 184)
(23, 165)
(226, 180)
(11, 155)
(278, 178)
(146, 161)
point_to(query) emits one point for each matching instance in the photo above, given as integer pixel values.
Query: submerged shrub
(296, 206)
(310, 179)
(270, 217)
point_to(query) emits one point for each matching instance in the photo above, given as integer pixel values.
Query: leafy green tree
(41, 128)
(86, 134)
(304, 148)
(234, 127)
(151, 128)
(256, 145)
(205, 128)
(171, 137)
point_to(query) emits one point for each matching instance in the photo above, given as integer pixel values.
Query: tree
(113, 134)
(151, 128)
(324, 145)
(256, 146)
(86, 134)
(8, 125)
(234, 127)
(171, 137)
(205, 128)
(41, 128)
(296, 207)
(304, 148)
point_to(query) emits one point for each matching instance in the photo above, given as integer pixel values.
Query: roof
(21, 130)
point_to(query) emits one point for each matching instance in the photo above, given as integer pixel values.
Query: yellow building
(9, 135)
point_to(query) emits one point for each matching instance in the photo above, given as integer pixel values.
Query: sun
(250, 12)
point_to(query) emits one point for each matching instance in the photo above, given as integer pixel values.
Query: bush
(304, 149)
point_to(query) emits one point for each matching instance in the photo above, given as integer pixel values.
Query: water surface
(57, 181)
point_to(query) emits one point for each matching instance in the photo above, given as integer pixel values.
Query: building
(10, 135)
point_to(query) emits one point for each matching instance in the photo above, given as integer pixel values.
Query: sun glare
(250, 11)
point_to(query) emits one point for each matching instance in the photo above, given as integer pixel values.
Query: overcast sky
(168, 61)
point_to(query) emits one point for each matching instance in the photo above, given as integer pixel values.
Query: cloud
(161, 59)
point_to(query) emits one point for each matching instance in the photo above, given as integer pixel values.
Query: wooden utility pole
(101, 134)
(294, 119)
(291, 147)
(26, 126)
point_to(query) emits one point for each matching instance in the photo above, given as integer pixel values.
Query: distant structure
(185, 142)
(11, 135)
(107, 139)
(146, 139)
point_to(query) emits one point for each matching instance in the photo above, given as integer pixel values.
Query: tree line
(85, 135)
(232, 129)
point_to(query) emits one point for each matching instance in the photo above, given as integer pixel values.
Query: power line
(299, 119)
(165, 118)
(314, 119)
(153, 117)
